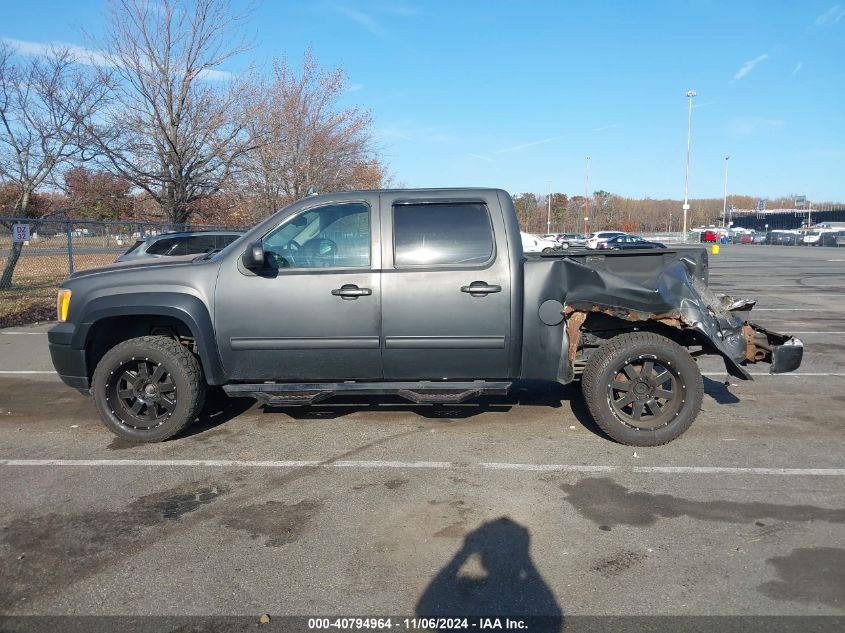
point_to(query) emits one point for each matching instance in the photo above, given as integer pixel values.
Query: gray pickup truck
(425, 294)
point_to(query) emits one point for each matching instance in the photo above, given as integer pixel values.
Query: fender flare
(186, 308)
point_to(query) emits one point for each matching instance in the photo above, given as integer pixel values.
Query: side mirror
(253, 257)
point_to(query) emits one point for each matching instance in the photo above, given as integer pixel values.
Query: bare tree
(307, 139)
(172, 129)
(44, 105)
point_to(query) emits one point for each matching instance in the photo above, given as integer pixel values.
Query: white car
(601, 236)
(534, 244)
(814, 238)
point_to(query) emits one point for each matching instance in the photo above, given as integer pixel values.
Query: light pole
(725, 203)
(586, 190)
(690, 95)
(549, 213)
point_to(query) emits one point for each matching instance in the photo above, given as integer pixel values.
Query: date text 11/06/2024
(481, 623)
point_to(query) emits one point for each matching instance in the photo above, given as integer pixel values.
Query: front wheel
(147, 389)
(642, 389)
(565, 245)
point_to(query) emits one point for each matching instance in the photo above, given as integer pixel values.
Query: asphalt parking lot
(378, 507)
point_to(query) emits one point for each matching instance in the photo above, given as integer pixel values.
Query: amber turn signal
(63, 304)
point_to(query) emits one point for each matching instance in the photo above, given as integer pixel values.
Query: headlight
(63, 304)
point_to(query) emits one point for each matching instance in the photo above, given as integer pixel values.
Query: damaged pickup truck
(425, 294)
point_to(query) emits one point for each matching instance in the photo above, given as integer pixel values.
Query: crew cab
(425, 294)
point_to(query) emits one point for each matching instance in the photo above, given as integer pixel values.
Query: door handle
(351, 291)
(480, 289)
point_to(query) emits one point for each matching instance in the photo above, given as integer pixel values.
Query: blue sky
(514, 94)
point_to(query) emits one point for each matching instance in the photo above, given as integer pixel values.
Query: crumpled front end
(676, 298)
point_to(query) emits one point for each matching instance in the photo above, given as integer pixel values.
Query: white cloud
(604, 127)
(402, 10)
(90, 56)
(516, 148)
(831, 16)
(362, 19)
(355, 87)
(798, 68)
(748, 66)
(746, 126)
(83, 55)
(481, 157)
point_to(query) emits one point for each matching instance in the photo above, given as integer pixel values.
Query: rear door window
(449, 234)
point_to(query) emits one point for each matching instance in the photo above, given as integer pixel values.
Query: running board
(423, 392)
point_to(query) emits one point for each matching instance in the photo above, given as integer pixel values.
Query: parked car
(567, 240)
(423, 294)
(182, 243)
(624, 242)
(833, 238)
(759, 238)
(711, 235)
(784, 238)
(747, 238)
(602, 236)
(534, 244)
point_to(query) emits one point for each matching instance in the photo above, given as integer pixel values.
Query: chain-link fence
(43, 252)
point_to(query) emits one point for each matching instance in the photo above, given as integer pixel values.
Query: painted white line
(725, 470)
(388, 464)
(720, 286)
(218, 463)
(818, 332)
(756, 309)
(27, 371)
(576, 468)
(25, 333)
(791, 375)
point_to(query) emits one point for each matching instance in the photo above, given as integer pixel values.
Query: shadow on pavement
(719, 391)
(492, 575)
(534, 393)
(219, 409)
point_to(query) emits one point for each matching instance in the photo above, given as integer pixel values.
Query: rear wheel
(642, 389)
(147, 389)
(564, 245)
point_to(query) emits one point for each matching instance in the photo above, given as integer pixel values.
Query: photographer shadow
(493, 576)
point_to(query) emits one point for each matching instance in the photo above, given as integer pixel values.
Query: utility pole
(549, 213)
(690, 95)
(586, 190)
(725, 203)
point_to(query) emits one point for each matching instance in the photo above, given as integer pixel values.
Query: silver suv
(183, 243)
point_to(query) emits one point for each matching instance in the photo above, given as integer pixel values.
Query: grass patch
(21, 305)
(32, 297)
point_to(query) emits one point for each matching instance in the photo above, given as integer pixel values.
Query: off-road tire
(606, 368)
(114, 379)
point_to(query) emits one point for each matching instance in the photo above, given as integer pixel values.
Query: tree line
(606, 211)
(151, 127)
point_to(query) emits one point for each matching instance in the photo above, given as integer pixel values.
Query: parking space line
(25, 333)
(756, 309)
(369, 464)
(818, 332)
(817, 374)
(27, 371)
